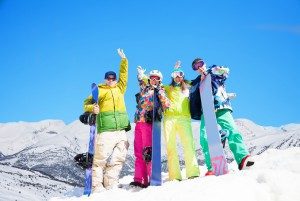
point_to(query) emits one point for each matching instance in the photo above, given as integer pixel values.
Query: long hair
(184, 84)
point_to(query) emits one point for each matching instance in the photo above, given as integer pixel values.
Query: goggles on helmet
(177, 74)
(154, 77)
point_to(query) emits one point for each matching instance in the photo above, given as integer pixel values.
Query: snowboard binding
(147, 154)
(224, 135)
(84, 160)
(88, 118)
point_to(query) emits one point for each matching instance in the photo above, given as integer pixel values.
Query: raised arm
(123, 79)
(142, 77)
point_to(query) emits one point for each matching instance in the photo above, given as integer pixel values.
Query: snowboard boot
(209, 173)
(193, 177)
(138, 184)
(246, 163)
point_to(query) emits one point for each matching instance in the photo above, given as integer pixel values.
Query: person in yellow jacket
(111, 143)
(177, 120)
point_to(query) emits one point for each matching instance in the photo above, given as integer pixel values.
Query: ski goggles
(198, 65)
(177, 74)
(154, 77)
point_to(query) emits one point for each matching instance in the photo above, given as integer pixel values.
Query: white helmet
(156, 73)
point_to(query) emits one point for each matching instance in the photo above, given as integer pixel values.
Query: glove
(220, 70)
(121, 53)
(159, 87)
(141, 72)
(177, 64)
(231, 95)
(96, 108)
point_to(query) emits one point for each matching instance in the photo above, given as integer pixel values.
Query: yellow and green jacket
(112, 115)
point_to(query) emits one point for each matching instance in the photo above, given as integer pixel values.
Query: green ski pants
(235, 139)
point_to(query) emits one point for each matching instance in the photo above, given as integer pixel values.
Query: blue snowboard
(88, 171)
(155, 179)
(217, 155)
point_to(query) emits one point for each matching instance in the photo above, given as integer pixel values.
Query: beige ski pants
(109, 157)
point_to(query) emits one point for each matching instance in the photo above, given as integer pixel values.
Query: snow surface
(18, 184)
(274, 177)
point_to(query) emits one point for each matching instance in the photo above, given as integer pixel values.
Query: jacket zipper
(114, 107)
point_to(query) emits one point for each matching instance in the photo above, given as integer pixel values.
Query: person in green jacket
(177, 120)
(111, 143)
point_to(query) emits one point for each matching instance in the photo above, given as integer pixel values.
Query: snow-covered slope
(18, 184)
(275, 177)
(44, 151)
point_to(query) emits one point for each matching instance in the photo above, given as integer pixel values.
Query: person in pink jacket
(143, 127)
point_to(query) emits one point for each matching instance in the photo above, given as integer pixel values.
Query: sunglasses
(111, 78)
(155, 78)
(198, 65)
(178, 74)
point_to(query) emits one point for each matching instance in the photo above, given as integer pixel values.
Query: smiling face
(178, 76)
(178, 79)
(111, 81)
(110, 78)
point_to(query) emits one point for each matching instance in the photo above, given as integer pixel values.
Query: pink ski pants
(142, 139)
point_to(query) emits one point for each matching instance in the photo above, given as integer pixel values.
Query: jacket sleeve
(88, 104)
(122, 83)
(165, 102)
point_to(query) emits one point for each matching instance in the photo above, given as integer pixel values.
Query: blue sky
(51, 51)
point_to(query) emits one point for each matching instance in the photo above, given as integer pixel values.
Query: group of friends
(111, 144)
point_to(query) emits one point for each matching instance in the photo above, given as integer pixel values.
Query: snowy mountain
(38, 156)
